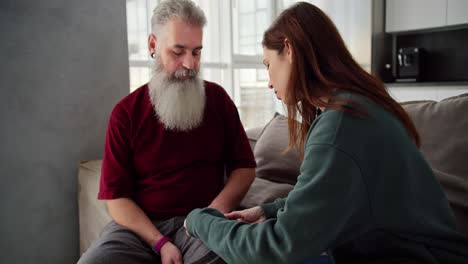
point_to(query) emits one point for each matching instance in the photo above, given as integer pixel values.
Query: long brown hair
(322, 65)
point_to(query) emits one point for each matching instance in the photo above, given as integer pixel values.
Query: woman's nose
(270, 85)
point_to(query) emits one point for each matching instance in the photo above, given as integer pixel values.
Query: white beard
(179, 104)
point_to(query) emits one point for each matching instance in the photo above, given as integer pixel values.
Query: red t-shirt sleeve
(117, 165)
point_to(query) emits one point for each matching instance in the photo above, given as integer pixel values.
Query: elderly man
(169, 145)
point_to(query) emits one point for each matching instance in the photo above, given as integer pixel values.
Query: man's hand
(237, 185)
(251, 215)
(170, 254)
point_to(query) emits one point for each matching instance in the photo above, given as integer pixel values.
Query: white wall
(436, 93)
(411, 93)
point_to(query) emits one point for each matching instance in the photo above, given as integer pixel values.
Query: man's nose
(189, 62)
(270, 85)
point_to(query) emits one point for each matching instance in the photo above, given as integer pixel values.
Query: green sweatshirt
(365, 194)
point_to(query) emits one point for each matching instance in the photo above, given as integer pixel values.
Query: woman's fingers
(233, 215)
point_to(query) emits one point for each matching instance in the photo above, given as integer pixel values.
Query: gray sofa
(443, 127)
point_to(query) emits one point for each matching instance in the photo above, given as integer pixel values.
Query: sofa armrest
(93, 213)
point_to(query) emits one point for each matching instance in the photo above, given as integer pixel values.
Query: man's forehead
(178, 32)
(180, 46)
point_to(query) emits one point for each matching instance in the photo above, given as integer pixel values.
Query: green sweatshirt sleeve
(319, 210)
(271, 209)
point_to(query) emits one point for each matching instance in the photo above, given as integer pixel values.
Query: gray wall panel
(63, 66)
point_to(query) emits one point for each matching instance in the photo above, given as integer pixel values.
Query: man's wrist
(160, 243)
(223, 209)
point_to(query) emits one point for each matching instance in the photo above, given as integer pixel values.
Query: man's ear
(288, 50)
(152, 43)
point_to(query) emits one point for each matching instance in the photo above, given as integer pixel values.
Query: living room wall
(64, 66)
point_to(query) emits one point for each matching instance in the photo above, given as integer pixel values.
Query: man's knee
(195, 252)
(117, 245)
(94, 256)
(107, 254)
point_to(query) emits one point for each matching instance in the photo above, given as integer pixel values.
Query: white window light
(232, 52)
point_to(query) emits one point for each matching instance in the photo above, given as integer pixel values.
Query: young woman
(365, 194)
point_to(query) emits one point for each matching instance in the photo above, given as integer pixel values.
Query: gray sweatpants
(119, 245)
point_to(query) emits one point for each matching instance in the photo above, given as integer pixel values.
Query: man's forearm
(234, 191)
(127, 213)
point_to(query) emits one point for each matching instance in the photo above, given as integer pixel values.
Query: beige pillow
(443, 127)
(93, 215)
(272, 164)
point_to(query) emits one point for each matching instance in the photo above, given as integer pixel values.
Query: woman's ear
(288, 50)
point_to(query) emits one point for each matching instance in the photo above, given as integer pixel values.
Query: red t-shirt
(169, 173)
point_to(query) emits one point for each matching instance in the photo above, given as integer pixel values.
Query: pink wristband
(160, 244)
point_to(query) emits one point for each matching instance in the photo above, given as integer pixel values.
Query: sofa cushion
(272, 163)
(264, 191)
(93, 214)
(443, 129)
(253, 135)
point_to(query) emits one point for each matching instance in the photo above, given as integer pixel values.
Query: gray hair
(183, 9)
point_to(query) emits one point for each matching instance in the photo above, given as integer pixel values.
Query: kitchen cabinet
(406, 15)
(457, 12)
(403, 15)
(443, 44)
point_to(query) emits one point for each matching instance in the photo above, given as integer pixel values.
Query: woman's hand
(251, 215)
(170, 254)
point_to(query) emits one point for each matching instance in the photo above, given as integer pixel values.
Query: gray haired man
(168, 146)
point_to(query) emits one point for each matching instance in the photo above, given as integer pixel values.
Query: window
(250, 19)
(138, 28)
(353, 20)
(232, 51)
(256, 103)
